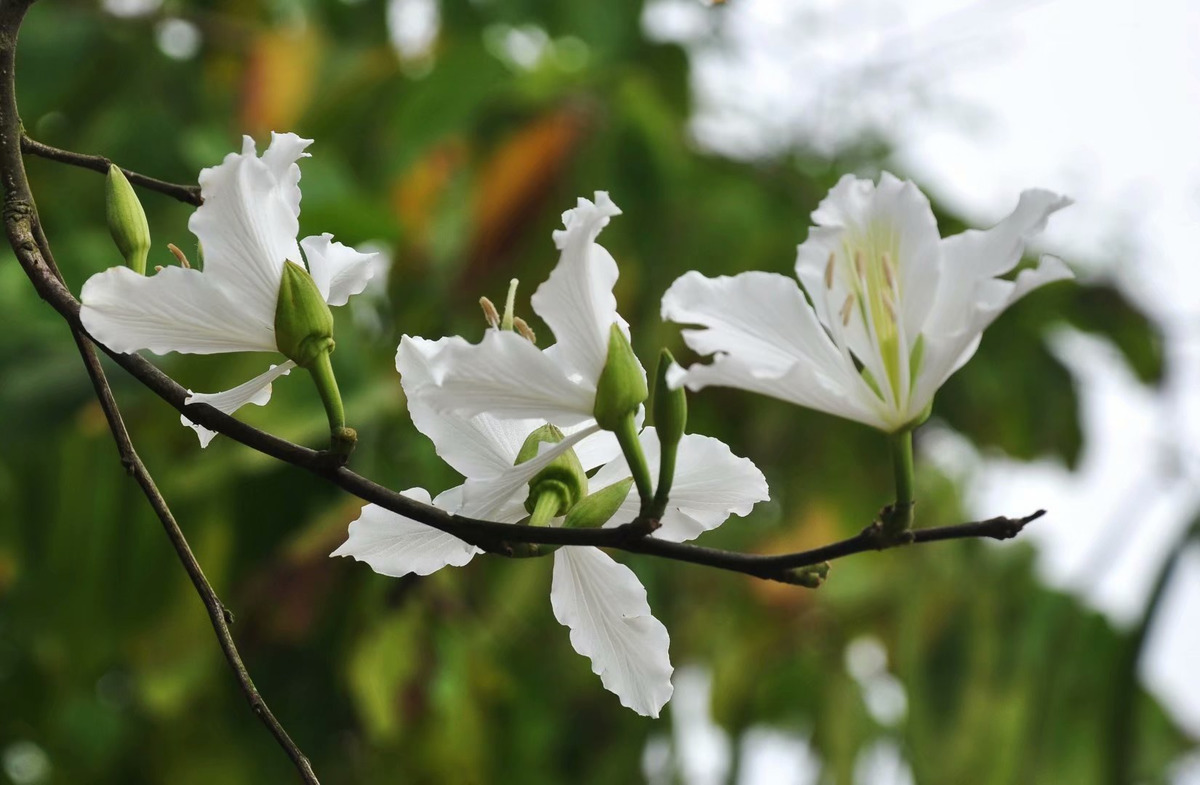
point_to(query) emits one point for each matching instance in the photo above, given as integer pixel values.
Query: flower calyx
(126, 220)
(621, 388)
(557, 488)
(303, 321)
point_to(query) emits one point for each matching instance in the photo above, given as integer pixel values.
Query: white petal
(477, 445)
(397, 546)
(256, 391)
(281, 157)
(767, 340)
(604, 605)
(970, 297)
(338, 271)
(576, 301)
(485, 497)
(507, 376)
(247, 225)
(174, 310)
(710, 484)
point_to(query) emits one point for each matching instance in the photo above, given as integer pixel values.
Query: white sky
(1098, 99)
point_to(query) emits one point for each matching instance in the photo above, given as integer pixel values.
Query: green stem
(666, 476)
(341, 438)
(545, 508)
(631, 446)
(899, 517)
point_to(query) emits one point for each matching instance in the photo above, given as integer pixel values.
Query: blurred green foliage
(459, 162)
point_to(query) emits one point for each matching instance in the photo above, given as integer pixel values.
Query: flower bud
(595, 509)
(564, 476)
(622, 384)
(670, 406)
(126, 220)
(303, 322)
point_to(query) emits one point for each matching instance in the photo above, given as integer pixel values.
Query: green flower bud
(303, 323)
(670, 406)
(563, 478)
(622, 386)
(126, 220)
(595, 510)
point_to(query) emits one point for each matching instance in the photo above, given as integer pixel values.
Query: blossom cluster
(884, 311)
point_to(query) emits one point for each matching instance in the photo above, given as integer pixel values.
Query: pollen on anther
(860, 267)
(490, 314)
(829, 270)
(889, 272)
(179, 255)
(847, 309)
(524, 330)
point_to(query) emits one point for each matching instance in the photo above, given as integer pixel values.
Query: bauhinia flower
(255, 293)
(599, 600)
(892, 309)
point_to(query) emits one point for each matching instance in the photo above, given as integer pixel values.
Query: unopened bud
(670, 406)
(595, 509)
(126, 220)
(621, 388)
(303, 322)
(564, 476)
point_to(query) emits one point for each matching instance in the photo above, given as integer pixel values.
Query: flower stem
(341, 438)
(666, 476)
(631, 446)
(898, 517)
(546, 507)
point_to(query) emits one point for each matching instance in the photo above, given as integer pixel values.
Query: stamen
(178, 254)
(889, 271)
(829, 271)
(860, 267)
(506, 322)
(524, 330)
(490, 314)
(847, 309)
(158, 268)
(890, 307)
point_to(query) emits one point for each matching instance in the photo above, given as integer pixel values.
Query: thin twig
(25, 233)
(189, 194)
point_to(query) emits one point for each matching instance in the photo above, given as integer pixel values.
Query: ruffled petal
(256, 391)
(710, 484)
(577, 301)
(397, 546)
(248, 223)
(604, 605)
(970, 296)
(174, 310)
(338, 271)
(508, 377)
(486, 497)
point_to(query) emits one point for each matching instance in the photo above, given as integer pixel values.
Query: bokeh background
(451, 134)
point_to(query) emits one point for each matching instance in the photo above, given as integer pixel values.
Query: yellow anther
(847, 309)
(524, 330)
(829, 271)
(178, 254)
(490, 314)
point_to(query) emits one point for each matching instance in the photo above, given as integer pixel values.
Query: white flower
(600, 600)
(247, 229)
(507, 376)
(892, 309)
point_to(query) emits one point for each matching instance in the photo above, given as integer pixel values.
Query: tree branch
(189, 194)
(26, 237)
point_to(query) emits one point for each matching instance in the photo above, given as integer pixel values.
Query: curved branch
(189, 194)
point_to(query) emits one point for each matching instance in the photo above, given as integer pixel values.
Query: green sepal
(596, 509)
(303, 321)
(564, 476)
(621, 388)
(126, 220)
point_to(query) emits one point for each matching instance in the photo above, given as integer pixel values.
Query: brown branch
(26, 237)
(184, 193)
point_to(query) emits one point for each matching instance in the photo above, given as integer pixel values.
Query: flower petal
(710, 484)
(767, 340)
(489, 497)
(247, 225)
(576, 301)
(397, 546)
(174, 310)
(604, 605)
(970, 297)
(508, 377)
(281, 157)
(256, 391)
(338, 271)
